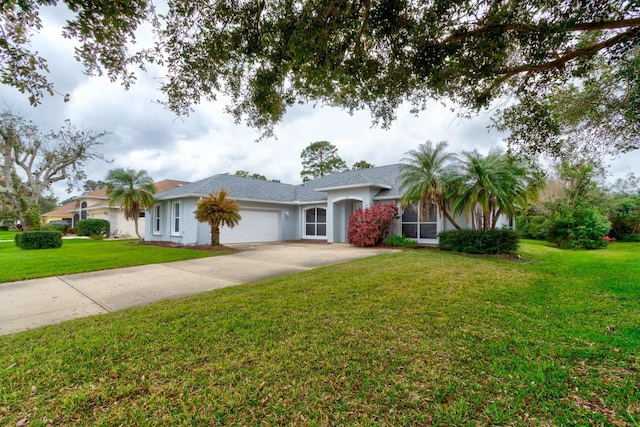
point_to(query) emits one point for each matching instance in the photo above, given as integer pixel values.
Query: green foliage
(319, 159)
(425, 175)
(39, 239)
(401, 242)
(375, 55)
(625, 218)
(4, 228)
(595, 117)
(483, 187)
(362, 164)
(89, 186)
(102, 33)
(32, 219)
(501, 241)
(35, 160)
(531, 225)
(63, 228)
(487, 187)
(133, 190)
(246, 174)
(577, 226)
(93, 227)
(218, 211)
(47, 203)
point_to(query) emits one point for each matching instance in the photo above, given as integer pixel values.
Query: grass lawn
(7, 235)
(413, 338)
(81, 255)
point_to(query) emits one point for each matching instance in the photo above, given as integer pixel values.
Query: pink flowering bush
(368, 227)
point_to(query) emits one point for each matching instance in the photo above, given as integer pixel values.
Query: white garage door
(255, 226)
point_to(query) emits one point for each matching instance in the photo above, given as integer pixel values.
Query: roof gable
(383, 178)
(238, 187)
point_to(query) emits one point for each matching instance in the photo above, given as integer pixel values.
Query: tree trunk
(135, 223)
(449, 218)
(215, 235)
(494, 221)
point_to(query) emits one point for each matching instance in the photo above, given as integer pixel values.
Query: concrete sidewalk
(33, 303)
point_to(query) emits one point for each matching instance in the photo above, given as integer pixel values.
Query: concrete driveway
(33, 303)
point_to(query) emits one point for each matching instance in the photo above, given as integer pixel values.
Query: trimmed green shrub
(63, 228)
(4, 228)
(92, 227)
(580, 226)
(501, 241)
(39, 239)
(401, 242)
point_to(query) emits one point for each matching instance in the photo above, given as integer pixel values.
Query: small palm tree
(217, 210)
(424, 178)
(493, 185)
(134, 191)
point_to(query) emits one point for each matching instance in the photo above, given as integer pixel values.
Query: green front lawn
(81, 255)
(413, 338)
(7, 235)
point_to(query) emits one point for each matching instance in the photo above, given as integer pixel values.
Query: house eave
(391, 197)
(245, 199)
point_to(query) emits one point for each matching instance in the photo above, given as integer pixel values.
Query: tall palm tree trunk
(135, 224)
(452, 221)
(215, 235)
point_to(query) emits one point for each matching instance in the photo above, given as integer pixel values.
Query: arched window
(315, 222)
(83, 210)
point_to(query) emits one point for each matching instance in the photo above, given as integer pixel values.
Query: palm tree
(490, 186)
(218, 211)
(132, 190)
(424, 177)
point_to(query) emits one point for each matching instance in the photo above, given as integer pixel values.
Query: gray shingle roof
(259, 190)
(384, 176)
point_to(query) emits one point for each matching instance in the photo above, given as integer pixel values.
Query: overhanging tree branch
(586, 51)
(531, 29)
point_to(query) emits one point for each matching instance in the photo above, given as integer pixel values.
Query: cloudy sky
(144, 135)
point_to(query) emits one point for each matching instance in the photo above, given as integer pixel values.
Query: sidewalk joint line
(84, 294)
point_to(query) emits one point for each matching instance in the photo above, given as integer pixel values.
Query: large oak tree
(32, 160)
(268, 55)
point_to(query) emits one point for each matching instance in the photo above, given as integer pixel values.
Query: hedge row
(93, 227)
(63, 228)
(39, 239)
(501, 241)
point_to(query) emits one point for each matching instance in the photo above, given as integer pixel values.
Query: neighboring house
(96, 205)
(271, 211)
(63, 212)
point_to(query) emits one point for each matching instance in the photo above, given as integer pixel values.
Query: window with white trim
(175, 218)
(418, 224)
(315, 222)
(156, 219)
